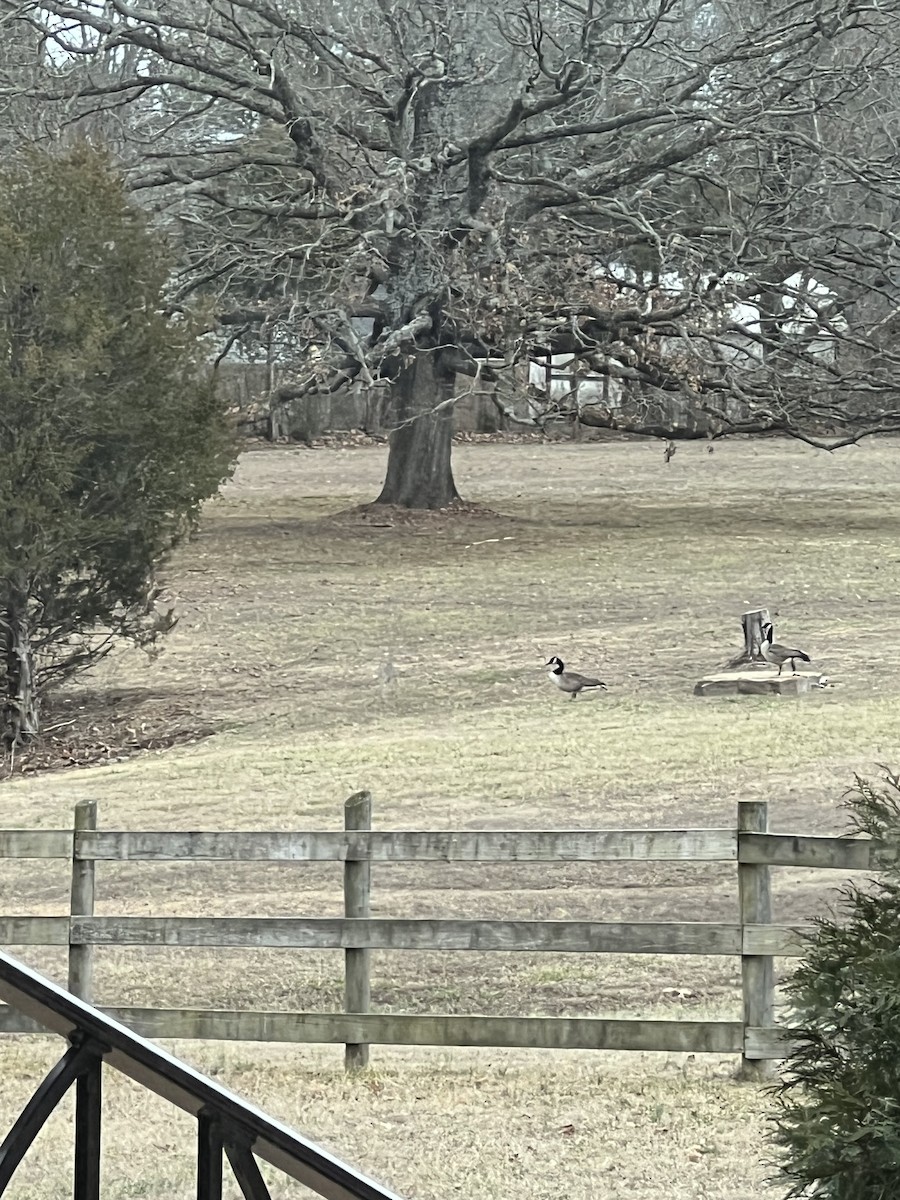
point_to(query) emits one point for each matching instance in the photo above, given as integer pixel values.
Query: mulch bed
(94, 728)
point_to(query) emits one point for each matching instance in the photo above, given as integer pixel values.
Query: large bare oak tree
(696, 198)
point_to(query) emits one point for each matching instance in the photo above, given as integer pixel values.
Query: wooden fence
(755, 937)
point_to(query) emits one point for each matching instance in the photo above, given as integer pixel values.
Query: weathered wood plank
(649, 845)
(35, 843)
(770, 1042)
(786, 941)
(796, 850)
(357, 887)
(81, 904)
(757, 968)
(323, 933)
(552, 1033)
(34, 931)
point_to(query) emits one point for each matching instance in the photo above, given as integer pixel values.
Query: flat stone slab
(752, 683)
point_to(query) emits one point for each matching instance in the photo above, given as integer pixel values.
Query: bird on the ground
(571, 682)
(778, 655)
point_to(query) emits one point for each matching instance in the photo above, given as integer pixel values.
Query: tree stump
(749, 682)
(752, 623)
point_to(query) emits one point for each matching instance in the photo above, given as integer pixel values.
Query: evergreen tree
(111, 435)
(838, 1118)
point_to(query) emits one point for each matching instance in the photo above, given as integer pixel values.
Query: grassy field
(292, 607)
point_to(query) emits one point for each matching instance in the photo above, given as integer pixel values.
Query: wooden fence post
(81, 958)
(357, 887)
(757, 970)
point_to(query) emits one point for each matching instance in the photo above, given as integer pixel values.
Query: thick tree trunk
(419, 474)
(419, 471)
(20, 718)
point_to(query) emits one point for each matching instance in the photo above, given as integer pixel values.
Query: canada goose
(570, 681)
(778, 655)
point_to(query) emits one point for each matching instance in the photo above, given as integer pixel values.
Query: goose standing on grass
(571, 682)
(777, 654)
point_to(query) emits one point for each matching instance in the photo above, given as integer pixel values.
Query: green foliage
(111, 435)
(838, 1118)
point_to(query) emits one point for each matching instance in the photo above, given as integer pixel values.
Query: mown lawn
(291, 608)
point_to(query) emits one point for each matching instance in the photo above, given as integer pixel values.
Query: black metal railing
(227, 1126)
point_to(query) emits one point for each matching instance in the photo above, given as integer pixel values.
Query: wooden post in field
(357, 885)
(757, 970)
(81, 904)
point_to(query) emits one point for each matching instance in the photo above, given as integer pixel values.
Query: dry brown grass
(442, 1124)
(605, 555)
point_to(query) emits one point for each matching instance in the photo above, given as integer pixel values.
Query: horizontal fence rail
(414, 1029)
(509, 846)
(650, 845)
(756, 938)
(793, 850)
(342, 933)
(36, 843)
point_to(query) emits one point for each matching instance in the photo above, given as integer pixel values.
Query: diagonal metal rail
(226, 1124)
